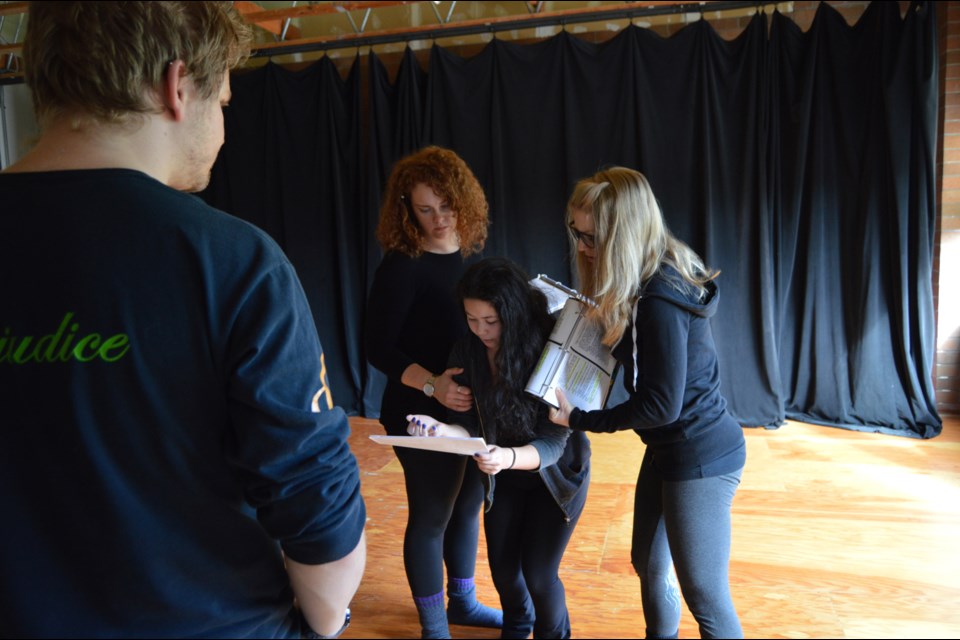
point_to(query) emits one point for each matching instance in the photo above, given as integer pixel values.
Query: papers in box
(574, 360)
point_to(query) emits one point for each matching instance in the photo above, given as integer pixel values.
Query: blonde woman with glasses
(655, 298)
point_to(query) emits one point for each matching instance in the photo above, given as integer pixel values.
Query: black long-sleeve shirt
(164, 425)
(413, 316)
(673, 379)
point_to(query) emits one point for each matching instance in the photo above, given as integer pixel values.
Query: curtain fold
(799, 164)
(395, 130)
(687, 111)
(856, 133)
(291, 164)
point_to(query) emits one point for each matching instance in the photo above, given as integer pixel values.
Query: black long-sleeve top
(412, 317)
(673, 378)
(165, 429)
(564, 454)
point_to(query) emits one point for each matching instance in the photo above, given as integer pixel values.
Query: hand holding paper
(432, 435)
(424, 425)
(495, 460)
(561, 415)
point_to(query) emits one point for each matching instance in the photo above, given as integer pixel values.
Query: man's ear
(174, 89)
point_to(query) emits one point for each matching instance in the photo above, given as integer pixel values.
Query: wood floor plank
(836, 534)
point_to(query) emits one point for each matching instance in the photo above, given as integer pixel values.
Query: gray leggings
(685, 525)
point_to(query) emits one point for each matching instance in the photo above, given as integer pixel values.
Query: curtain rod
(506, 25)
(490, 27)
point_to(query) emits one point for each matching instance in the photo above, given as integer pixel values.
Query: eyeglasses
(588, 239)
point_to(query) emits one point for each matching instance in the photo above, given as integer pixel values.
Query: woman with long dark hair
(536, 473)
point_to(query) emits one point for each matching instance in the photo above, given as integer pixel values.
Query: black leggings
(444, 497)
(526, 537)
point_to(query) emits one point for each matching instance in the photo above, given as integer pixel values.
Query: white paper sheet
(462, 446)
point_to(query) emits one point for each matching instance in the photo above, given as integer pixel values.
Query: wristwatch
(428, 387)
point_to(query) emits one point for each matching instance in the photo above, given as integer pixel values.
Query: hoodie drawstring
(636, 305)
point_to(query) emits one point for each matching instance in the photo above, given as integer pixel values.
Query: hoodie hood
(669, 285)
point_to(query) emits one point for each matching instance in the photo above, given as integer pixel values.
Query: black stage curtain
(292, 165)
(853, 157)
(801, 165)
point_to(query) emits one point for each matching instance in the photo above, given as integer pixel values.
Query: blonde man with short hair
(171, 463)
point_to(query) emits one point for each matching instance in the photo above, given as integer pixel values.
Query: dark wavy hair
(525, 324)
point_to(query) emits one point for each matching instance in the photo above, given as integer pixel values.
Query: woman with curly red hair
(433, 218)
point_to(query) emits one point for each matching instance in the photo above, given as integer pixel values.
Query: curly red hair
(451, 179)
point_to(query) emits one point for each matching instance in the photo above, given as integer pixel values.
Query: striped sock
(433, 619)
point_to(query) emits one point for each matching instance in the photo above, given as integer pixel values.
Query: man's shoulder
(191, 216)
(156, 209)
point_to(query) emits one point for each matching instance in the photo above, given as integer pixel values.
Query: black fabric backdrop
(800, 164)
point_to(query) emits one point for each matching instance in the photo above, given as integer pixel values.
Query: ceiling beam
(274, 26)
(500, 23)
(308, 10)
(340, 7)
(13, 8)
(275, 20)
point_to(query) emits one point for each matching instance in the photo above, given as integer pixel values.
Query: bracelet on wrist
(514, 461)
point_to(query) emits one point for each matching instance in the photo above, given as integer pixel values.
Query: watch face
(428, 390)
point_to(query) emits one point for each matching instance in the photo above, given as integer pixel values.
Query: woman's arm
(445, 389)
(551, 440)
(389, 305)
(544, 450)
(662, 373)
(391, 295)
(498, 459)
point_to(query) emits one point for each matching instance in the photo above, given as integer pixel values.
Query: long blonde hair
(632, 243)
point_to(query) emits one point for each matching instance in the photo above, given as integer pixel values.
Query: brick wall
(947, 255)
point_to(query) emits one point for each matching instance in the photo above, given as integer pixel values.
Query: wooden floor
(836, 534)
